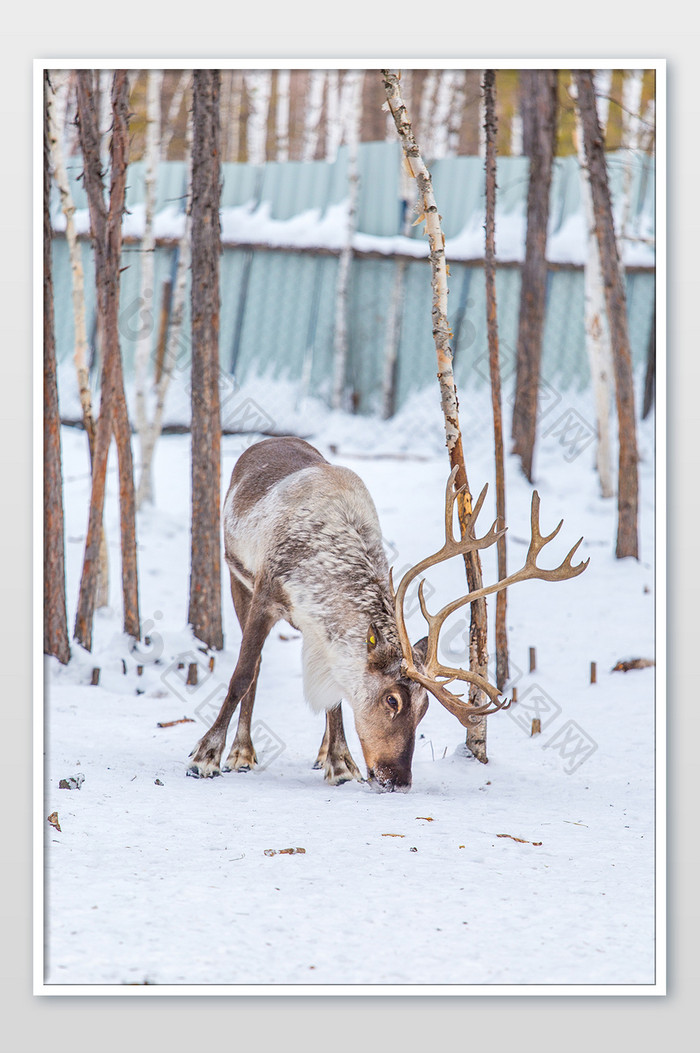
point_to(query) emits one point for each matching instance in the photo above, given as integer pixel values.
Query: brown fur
(262, 466)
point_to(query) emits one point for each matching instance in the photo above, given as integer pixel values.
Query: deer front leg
(334, 755)
(206, 756)
(242, 756)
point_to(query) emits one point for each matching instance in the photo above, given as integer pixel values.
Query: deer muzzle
(385, 778)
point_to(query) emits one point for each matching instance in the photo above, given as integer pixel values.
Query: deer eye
(392, 702)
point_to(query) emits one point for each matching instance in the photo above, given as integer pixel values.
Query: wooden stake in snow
(478, 654)
(533, 660)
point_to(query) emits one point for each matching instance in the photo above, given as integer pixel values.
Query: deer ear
(379, 654)
(374, 639)
(421, 648)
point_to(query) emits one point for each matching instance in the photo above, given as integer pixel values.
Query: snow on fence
(283, 226)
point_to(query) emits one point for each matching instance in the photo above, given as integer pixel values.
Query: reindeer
(302, 543)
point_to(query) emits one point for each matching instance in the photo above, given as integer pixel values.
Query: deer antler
(436, 676)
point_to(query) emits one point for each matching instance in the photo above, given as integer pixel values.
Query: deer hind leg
(334, 755)
(206, 756)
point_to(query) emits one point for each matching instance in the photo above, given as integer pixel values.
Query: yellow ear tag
(371, 642)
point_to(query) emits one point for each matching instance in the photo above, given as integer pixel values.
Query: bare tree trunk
(205, 579)
(478, 653)
(502, 664)
(106, 227)
(173, 112)
(533, 287)
(650, 375)
(340, 356)
(144, 340)
(58, 102)
(527, 97)
(616, 304)
(55, 618)
(232, 88)
(597, 336)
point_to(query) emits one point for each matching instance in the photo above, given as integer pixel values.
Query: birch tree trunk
(631, 134)
(147, 292)
(282, 115)
(478, 654)
(173, 345)
(205, 578)
(456, 112)
(595, 322)
(106, 229)
(334, 117)
(104, 78)
(57, 104)
(340, 356)
(393, 337)
(502, 664)
(426, 113)
(516, 135)
(55, 617)
(616, 305)
(533, 287)
(446, 87)
(482, 125)
(259, 87)
(312, 115)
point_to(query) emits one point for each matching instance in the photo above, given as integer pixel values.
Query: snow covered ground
(537, 868)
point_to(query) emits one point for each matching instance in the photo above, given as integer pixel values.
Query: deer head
(395, 705)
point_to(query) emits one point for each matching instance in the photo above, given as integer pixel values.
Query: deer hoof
(241, 758)
(205, 764)
(341, 769)
(201, 771)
